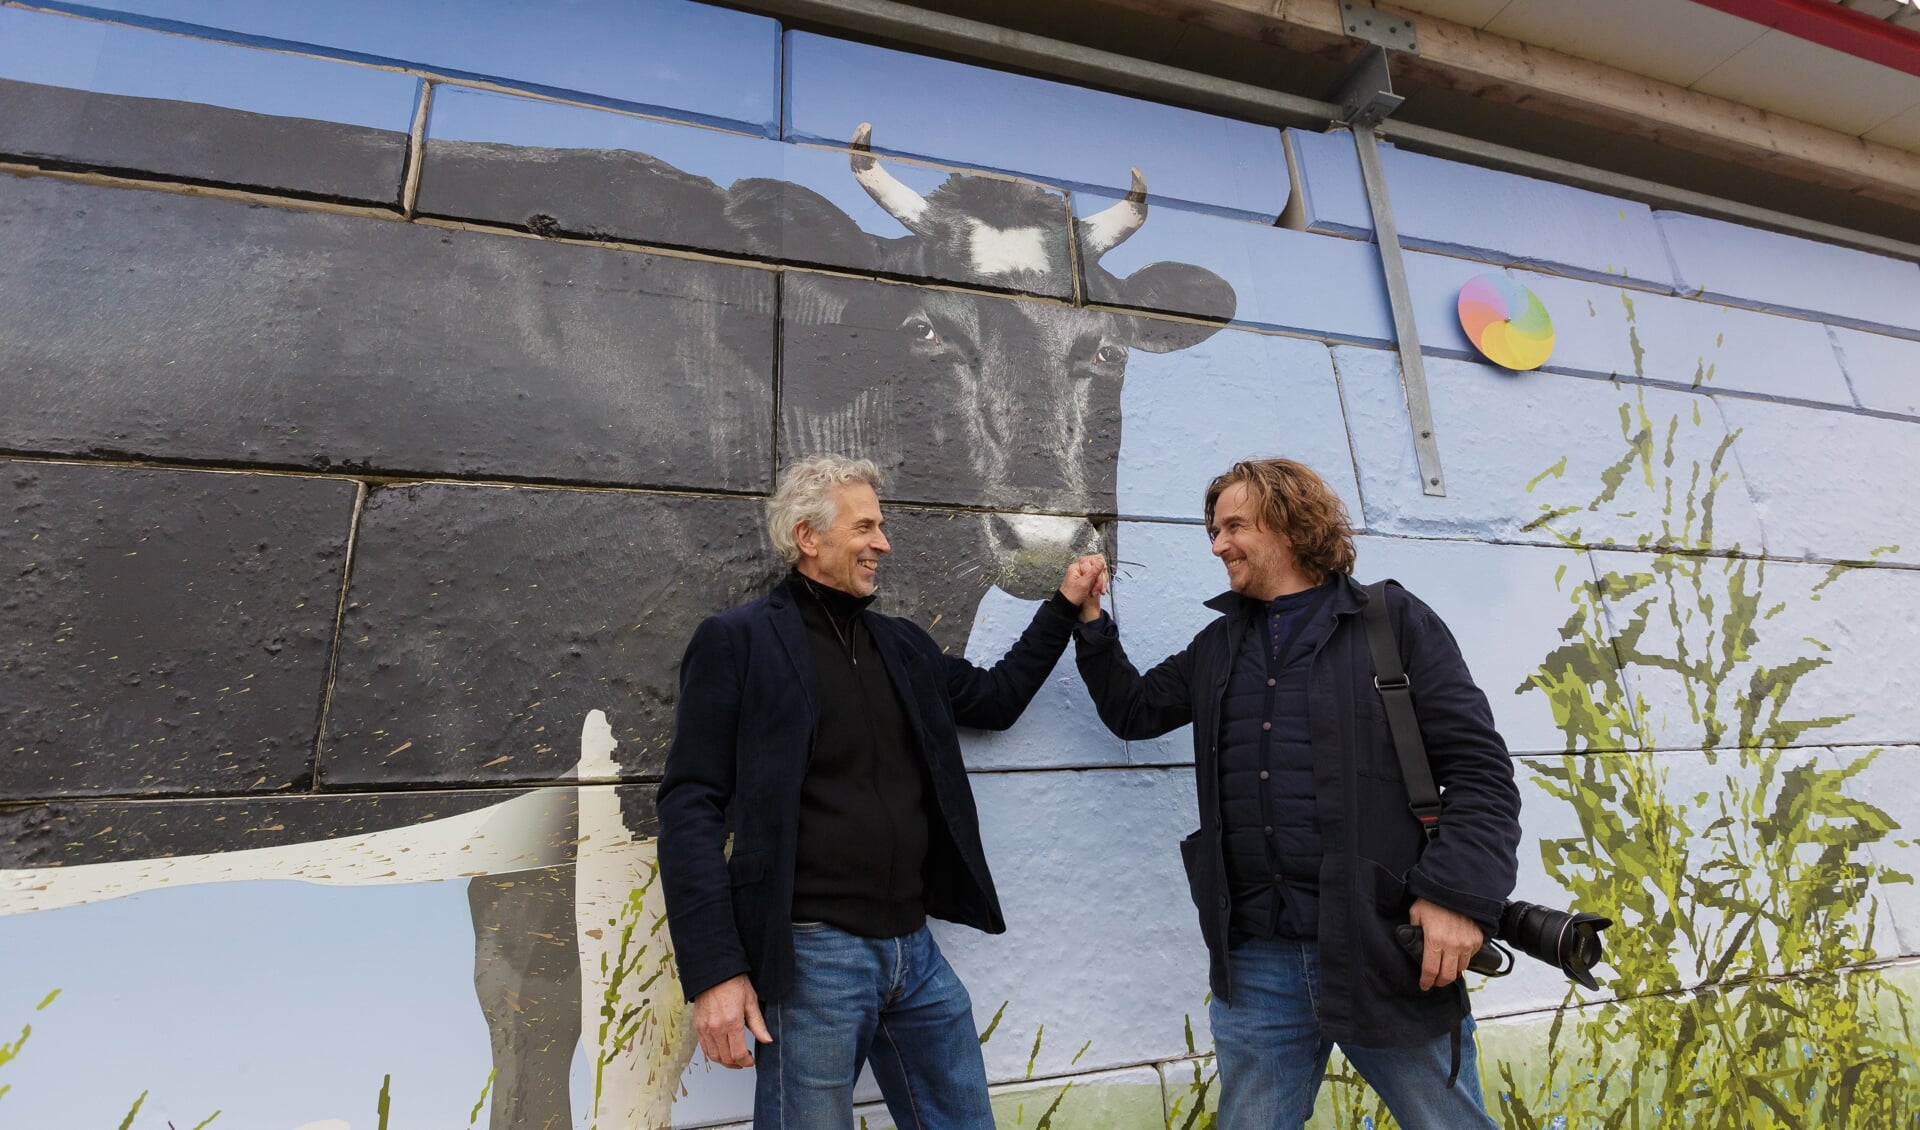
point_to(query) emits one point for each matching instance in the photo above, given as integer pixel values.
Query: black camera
(1569, 939)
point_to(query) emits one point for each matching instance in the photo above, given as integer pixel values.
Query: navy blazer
(743, 735)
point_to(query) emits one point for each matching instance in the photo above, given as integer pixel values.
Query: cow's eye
(1111, 354)
(919, 329)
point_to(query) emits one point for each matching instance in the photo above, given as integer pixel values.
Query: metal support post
(1366, 97)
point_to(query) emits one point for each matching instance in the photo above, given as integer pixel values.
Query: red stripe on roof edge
(1830, 25)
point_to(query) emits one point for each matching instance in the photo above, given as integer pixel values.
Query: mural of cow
(1008, 407)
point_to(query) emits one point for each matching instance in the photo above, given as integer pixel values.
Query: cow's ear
(1178, 288)
(783, 220)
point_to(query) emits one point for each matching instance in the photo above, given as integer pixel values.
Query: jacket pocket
(1193, 855)
(1387, 890)
(1385, 969)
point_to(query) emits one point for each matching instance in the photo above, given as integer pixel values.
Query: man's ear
(806, 539)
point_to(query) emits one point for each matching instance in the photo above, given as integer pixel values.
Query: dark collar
(841, 606)
(1347, 595)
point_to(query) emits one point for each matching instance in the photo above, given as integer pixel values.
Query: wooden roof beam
(1457, 57)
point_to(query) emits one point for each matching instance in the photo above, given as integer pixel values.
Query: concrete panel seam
(1733, 450)
(1832, 973)
(416, 150)
(1840, 359)
(297, 202)
(314, 762)
(1855, 409)
(1353, 456)
(131, 178)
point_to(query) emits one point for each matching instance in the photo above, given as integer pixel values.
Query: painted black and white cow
(1007, 406)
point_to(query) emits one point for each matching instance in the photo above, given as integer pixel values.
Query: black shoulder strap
(1396, 694)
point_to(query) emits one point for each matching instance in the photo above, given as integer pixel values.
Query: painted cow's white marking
(1004, 251)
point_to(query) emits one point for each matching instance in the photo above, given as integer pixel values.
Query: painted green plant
(1760, 890)
(1737, 992)
(10, 1050)
(1188, 1108)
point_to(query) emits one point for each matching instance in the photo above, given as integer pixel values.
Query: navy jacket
(1377, 860)
(743, 734)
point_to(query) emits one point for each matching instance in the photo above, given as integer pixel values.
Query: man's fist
(1085, 583)
(1452, 940)
(721, 1016)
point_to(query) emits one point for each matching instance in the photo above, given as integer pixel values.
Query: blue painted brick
(52, 50)
(1831, 485)
(503, 158)
(1166, 571)
(1332, 192)
(1505, 604)
(1237, 395)
(1060, 728)
(966, 115)
(1434, 282)
(685, 60)
(1610, 331)
(1282, 279)
(1517, 446)
(1750, 267)
(1481, 213)
(1884, 371)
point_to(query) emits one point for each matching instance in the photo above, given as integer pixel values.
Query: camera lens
(1569, 940)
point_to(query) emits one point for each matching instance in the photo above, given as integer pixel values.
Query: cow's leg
(638, 1036)
(526, 970)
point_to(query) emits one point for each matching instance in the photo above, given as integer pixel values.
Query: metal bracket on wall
(1366, 98)
(1379, 27)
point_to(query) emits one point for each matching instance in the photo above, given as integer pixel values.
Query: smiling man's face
(846, 555)
(1259, 561)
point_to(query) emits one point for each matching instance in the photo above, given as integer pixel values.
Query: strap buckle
(1401, 684)
(1429, 817)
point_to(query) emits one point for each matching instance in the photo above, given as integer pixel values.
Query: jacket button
(1266, 725)
(1273, 682)
(1223, 902)
(1268, 829)
(1263, 774)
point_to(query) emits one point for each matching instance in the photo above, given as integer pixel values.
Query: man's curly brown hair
(1294, 500)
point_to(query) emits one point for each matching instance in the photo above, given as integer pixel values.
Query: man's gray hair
(806, 494)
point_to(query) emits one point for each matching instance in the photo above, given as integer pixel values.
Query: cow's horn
(901, 202)
(1109, 228)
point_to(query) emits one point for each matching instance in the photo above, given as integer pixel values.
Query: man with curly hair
(1308, 857)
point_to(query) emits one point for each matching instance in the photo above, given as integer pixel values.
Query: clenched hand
(1451, 941)
(1085, 583)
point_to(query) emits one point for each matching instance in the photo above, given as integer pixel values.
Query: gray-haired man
(830, 730)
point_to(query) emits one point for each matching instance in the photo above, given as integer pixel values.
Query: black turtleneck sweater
(863, 801)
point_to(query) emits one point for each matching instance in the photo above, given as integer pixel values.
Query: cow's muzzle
(1031, 552)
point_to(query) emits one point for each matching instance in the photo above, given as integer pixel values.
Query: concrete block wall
(385, 401)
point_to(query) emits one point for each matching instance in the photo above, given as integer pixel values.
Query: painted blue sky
(720, 156)
(672, 58)
(1051, 131)
(710, 63)
(187, 994)
(86, 55)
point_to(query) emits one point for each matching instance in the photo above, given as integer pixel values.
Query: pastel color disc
(1506, 322)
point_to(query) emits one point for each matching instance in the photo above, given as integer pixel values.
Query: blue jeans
(894, 1002)
(1271, 1052)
